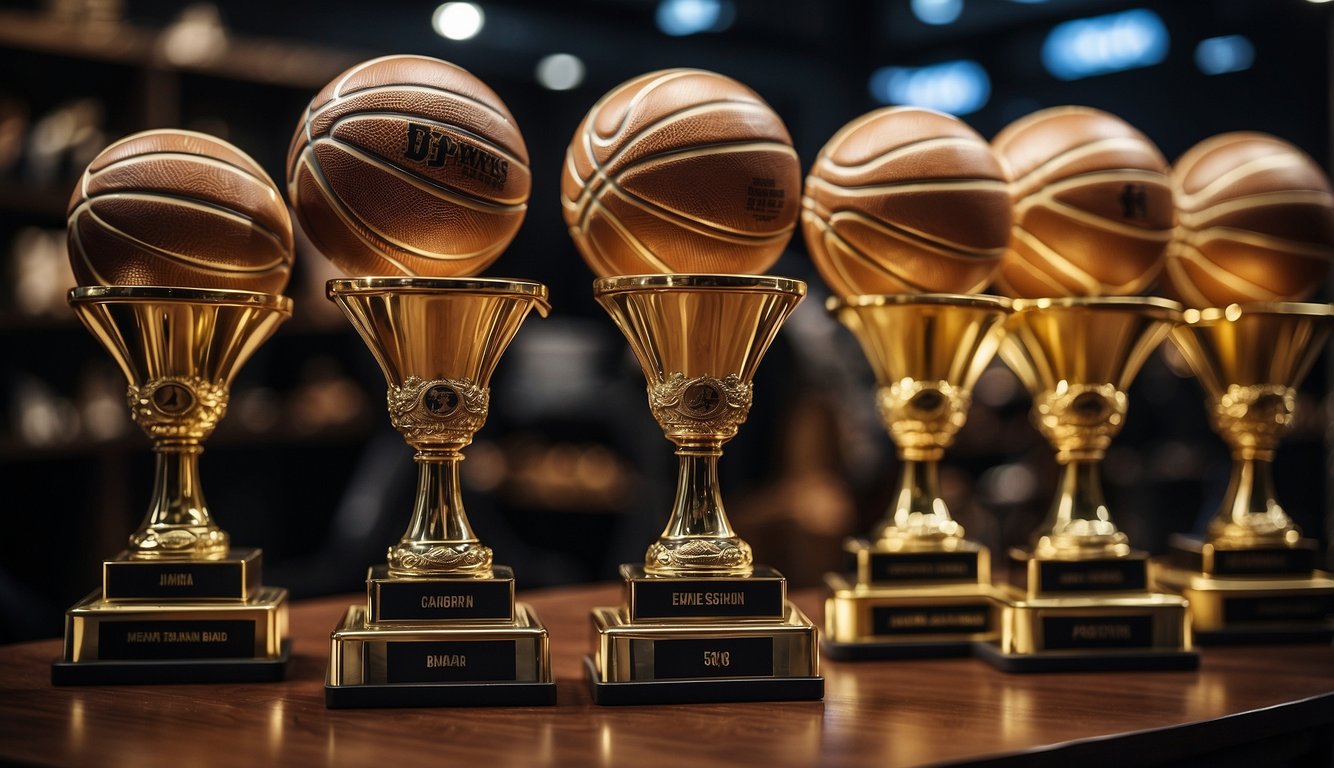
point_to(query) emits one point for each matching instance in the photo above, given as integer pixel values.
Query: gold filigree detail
(177, 406)
(675, 557)
(1080, 420)
(703, 406)
(438, 410)
(1255, 417)
(923, 416)
(466, 557)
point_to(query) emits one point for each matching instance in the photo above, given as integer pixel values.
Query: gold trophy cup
(1079, 595)
(179, 604)
(917, 587)
(440, 626)
(1252, 577)
(701, 621)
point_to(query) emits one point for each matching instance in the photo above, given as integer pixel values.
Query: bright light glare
(688, 17)
(1229, 53)
(957, 87)
(560, 71)
(937, 11)
(458, 21)
(1103, 44)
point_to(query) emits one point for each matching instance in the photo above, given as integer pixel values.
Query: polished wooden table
(1244, 705)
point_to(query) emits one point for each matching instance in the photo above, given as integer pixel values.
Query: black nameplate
(1278, 609)
(1109, 575)
(174, 580)
(443, 599)
(706, 598)
(962, 619)
(1276, 561)
(451, 662)
(898, 568)
(185, 639)
(720, 657)
(1072, 633)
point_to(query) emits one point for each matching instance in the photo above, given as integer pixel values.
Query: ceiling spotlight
(956, 87)
(689, 17)
(1102, 44)
(560, 71)
(1229, 53)
(458, 21)
(937, 12)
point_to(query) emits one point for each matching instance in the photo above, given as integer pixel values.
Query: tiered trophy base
(440, 642)
(1088, 615)
(909, 604)
(708, 639)
(177, 621)
(1252, 594)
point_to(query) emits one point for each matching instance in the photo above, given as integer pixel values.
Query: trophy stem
(178, 523)
(1250, 513)
(439, 539)
(1079, 524)
(698, 539)
(919, 516)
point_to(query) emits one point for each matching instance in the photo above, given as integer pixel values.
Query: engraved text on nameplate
(704, 598)
(714, 657)
(1278, 609)
(963, 619)
(895, 568)
(443, 599)
(170, 580)
(1264, 562)
(1070, 633)
(186, 639)
(1092, 575)
(450, 662)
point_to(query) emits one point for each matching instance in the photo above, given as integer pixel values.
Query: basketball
(408, 165)
(906, 200)
(681, 171)
(1255, 222)
(179, 209)
(1092, 205)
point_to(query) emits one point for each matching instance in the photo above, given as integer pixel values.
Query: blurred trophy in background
(153, 210)
(906, 214)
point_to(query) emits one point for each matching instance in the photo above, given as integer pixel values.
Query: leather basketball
(179, 209)
(1092, 205)
(1255, 222)
(906, 200)
(681, 170)
(408, 165)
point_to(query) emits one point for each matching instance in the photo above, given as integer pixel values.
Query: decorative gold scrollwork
(702, 406)
(177, 406)
(448, 409)
(667, 556)
(1080, 420)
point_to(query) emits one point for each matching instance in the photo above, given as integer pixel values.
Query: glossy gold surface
(179, 349)
(1022, 619)
(927, 351)
(1250, 358)
(1209, 597)
(438, 340)
(699, 340)
(951, 609)
(1077, 356)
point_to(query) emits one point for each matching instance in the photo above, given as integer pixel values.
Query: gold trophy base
(703, 639)
(870, 621)
(439, 641)
(1250, 594)
(175, 642)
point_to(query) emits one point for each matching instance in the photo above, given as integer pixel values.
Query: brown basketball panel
(199, 235)
(351, 247)
(1027, 271)
(957, 217)
(845, 271)
(466, 117)
(1120, 263)
(174, 141)
(1280, 215)
(909, 259)
(1032, 142)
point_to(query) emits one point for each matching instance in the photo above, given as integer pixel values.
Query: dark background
(570, 476)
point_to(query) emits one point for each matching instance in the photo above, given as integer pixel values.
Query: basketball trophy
(423, 198)
(701, 621)
(1093, 214)
(1252, 576)
(148, 232)
(906, 214)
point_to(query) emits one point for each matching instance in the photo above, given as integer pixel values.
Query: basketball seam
(264, 180)
(916, 237)
(1023, 265)
(642, 93)
(701, 228)
(828, 234)
(421, 88)
(183, 132)
(455, 196)
(1262, 240)
(83, 251)
(1041, 250)
(1193, 255)
(1313, 197)
(944, 184)
(336, 204)
(263, 229)
(615, 223)
(439, 123)
(177, 258)
(1079, 152)
(898, 152)
(1235, 174)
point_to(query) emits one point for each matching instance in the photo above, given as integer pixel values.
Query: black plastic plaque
(443, 600)
(1070, 633)
(450, 662)
(183, 639)
(708, 657)
(908, 568)
(1278, 609)
(1187, 553)
(706, 598)
(1081, 576)
(176, 580)
(954, 619)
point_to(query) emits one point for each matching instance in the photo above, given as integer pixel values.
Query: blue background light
(957, 87)
(1229, 53)
(1103, 44)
